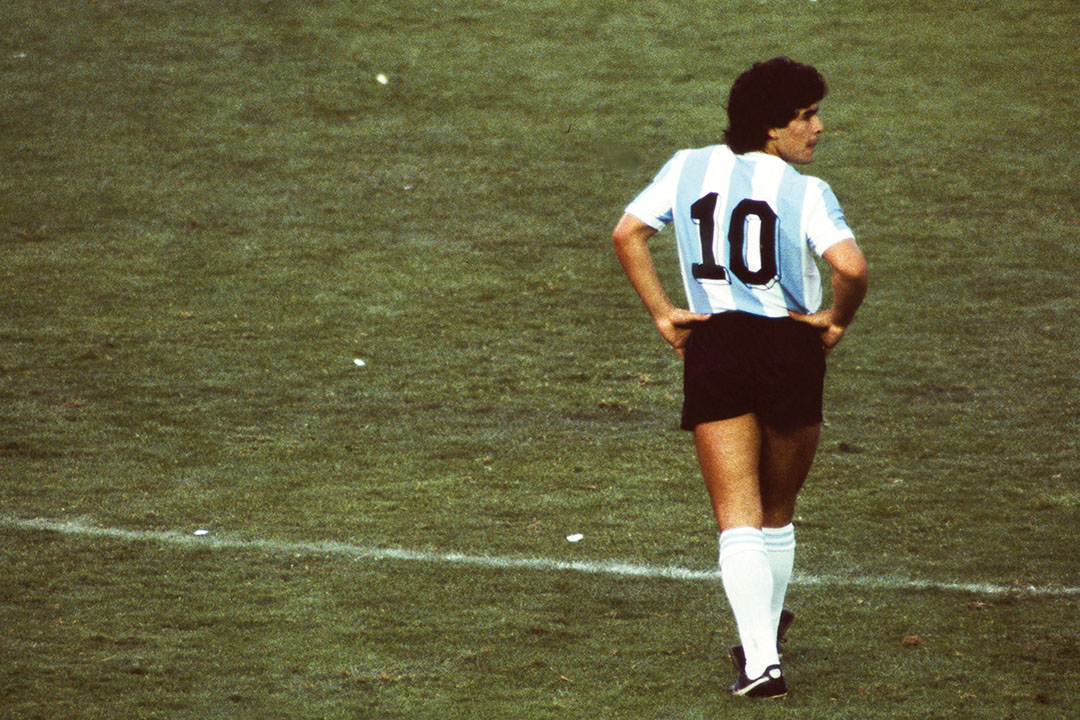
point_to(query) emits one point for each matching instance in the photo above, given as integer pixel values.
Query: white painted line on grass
(594, 567)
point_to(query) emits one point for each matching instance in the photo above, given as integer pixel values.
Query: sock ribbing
(782, 538)
(742, 539)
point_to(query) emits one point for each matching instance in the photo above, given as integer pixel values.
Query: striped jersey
(747, 227)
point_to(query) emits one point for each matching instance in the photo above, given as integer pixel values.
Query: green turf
(208, 211)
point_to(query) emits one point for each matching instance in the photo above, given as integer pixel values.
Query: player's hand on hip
(677, 325)
(830, 332)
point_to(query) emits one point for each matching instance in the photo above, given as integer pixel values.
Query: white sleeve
(825, 224)
(654, 205)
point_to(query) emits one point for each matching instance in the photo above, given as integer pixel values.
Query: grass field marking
(593, 567)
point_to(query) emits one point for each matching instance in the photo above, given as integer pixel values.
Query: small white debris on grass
(576, 537)
(201, 532)
(359, 363)
(381, 79)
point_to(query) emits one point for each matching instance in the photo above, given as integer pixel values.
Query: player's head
(767, 96)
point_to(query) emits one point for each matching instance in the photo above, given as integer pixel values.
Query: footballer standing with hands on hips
(754, 340)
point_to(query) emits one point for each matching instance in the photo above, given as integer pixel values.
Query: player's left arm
(850, 281)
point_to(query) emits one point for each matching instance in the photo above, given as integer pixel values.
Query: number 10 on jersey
(751, 232)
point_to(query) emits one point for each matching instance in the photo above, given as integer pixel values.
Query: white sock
(780, 546)
(748, 584)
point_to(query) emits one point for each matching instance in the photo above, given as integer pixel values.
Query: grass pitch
(209, 211)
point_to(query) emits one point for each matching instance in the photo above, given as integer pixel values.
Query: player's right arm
(631, 243)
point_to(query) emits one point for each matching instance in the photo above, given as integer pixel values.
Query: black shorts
(738, 363)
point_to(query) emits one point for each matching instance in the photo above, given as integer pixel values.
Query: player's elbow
(621, 239)
(618, 238)
(856, 272)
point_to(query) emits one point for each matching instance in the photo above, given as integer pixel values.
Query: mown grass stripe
(594, 567)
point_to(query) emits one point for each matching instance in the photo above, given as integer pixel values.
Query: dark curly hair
(766, 96)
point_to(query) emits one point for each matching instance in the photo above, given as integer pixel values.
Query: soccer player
(748, 226)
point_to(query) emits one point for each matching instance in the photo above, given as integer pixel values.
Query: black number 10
(703, 212)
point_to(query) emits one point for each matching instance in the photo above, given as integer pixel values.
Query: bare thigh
(786, 457)
(754, 472)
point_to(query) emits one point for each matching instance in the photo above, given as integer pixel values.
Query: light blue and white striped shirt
(747, 227)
